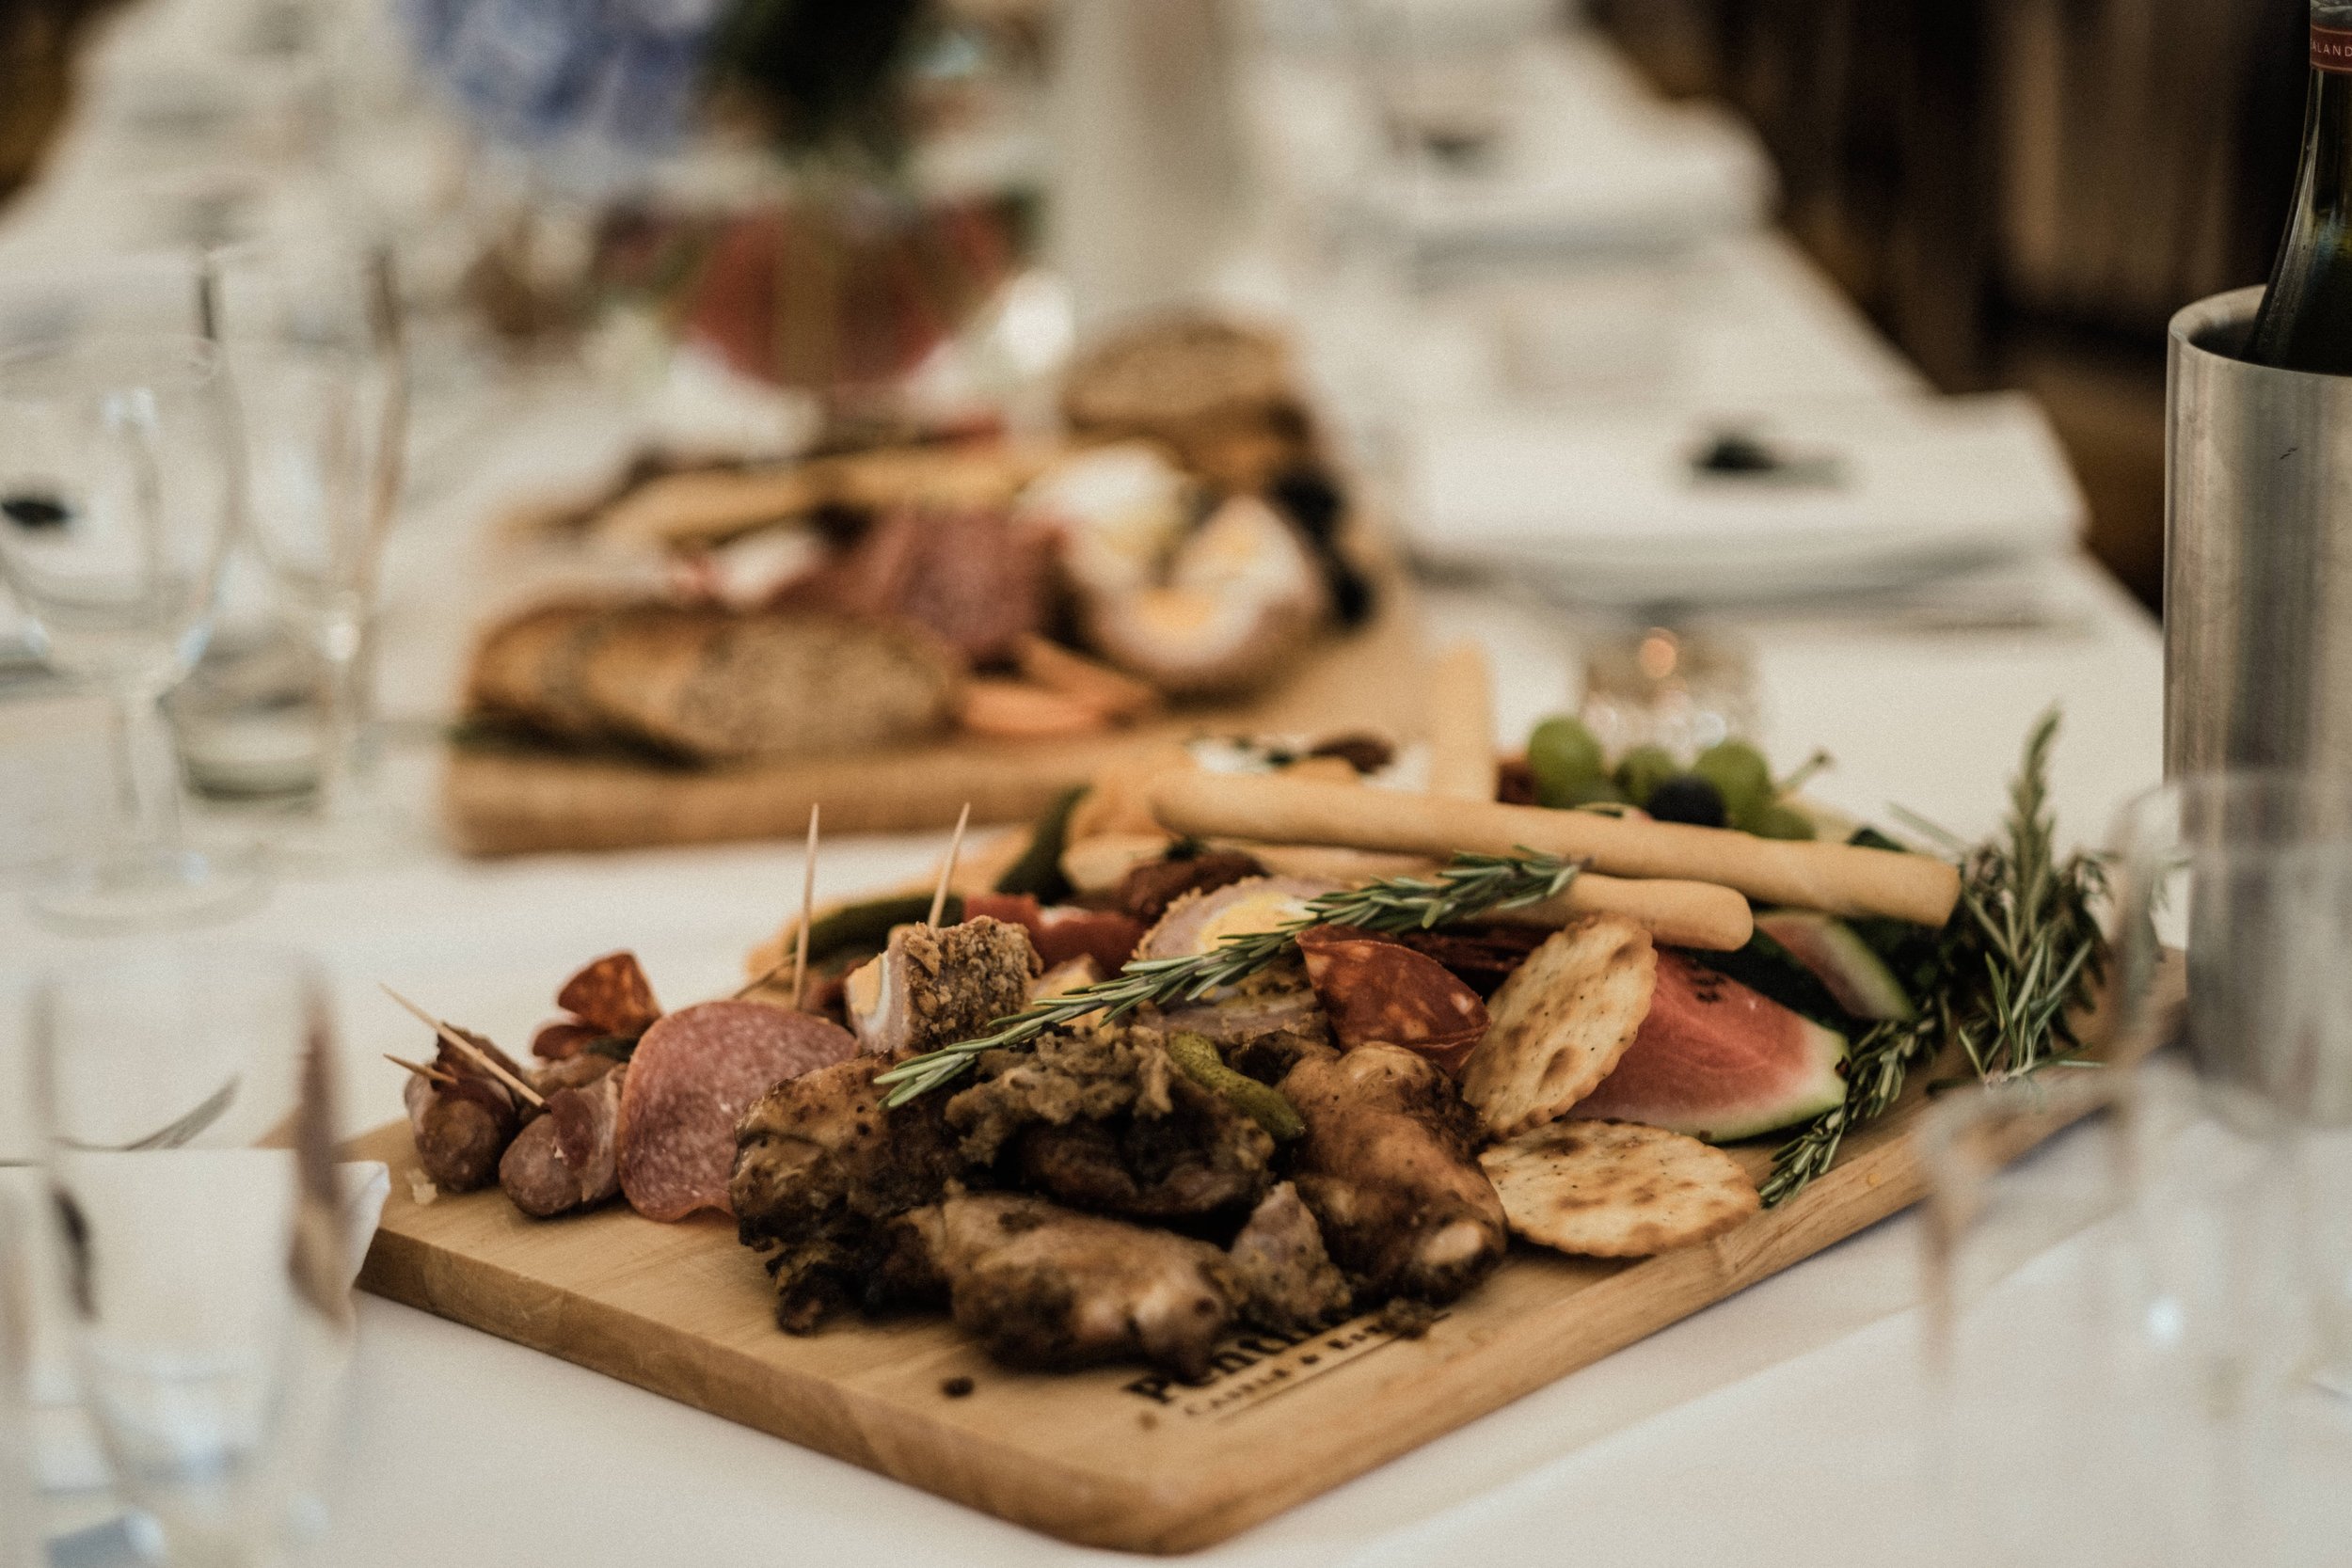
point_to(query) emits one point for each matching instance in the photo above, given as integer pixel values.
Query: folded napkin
(1611, 506)
(66, 1454)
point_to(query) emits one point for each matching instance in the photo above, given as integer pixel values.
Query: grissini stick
(1836, 879)
(1460, 725)
(1680, 914)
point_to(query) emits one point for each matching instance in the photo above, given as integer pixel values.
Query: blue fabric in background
(624, 73)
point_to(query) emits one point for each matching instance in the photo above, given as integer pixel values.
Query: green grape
(1779, 821)
(1564, 756)
(1640, 771)
(1739, 773)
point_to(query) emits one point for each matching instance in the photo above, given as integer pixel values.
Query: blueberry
(1688, 798)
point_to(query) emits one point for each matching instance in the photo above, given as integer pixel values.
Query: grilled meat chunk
(1043, 1286)
(818, 1164)
(1287, 1280)
(1388, 1168)
(1102, 1120)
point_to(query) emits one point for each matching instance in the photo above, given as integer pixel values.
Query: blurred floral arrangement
(839, 272)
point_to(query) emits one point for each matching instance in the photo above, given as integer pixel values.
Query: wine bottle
(2306, 318)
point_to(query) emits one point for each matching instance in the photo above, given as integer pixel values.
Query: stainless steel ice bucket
(2258, 554)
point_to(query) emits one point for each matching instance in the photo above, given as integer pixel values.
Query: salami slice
(695, 1073)
(613, 994)
(1378, 993)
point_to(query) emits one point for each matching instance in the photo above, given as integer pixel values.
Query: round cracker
(1617, 1189)
(1558, 1024)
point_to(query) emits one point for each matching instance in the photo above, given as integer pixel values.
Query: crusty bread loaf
(713, 685)
(528, 668)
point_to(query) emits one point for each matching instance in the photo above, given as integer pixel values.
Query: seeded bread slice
(528, 669)
(721, 688)
(714, 686)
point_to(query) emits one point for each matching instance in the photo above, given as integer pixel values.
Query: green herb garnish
(2022, 951)
(1469, 886)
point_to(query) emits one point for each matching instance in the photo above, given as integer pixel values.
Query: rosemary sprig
(2023, 950)
(1469, 886)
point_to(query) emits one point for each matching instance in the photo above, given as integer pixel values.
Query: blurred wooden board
(510, 803)
(1113, 1457)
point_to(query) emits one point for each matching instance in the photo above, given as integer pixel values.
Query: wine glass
(185, 1099)
(118, 495)
(310, 337)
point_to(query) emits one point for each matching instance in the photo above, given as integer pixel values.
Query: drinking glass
(19, 1538)
(187, 1104)
(2132, 1329)
(2249, 874)
(118, 493)
(311, 334)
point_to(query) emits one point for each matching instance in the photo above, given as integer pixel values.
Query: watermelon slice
(1717, 1061)
(1840, 960)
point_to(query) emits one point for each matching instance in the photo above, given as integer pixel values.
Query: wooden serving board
(506, 802)
(1113, 1457)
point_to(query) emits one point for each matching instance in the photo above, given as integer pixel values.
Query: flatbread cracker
(1617, 1189)
(1559, 1024)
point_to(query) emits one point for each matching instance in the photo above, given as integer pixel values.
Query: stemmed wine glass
(118, 495)
(186, 1097)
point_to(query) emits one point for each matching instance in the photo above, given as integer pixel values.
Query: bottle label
(2331, 49)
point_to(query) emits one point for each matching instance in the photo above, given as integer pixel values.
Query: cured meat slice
(1378, 993)
(563, 1039)
(1062, 932)
(692, 1077)
(611, 993)
(587, 1134)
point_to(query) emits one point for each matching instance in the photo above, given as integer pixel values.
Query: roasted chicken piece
(1102, 1120)
(1043, 1286)
(1388, 1168)
(818, 1164)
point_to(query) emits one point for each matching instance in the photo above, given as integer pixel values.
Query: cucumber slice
(1855, 977)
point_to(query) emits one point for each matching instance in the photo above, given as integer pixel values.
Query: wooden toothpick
(467, 1049)
(431, 1074)
(808, 909)
(947, 872)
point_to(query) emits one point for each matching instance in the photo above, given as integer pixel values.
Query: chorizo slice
(1379, 993)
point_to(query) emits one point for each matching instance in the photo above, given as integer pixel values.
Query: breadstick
(1681, 914)
(1836, 879)
(1460, 724)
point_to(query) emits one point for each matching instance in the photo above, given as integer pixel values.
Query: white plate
(1606, 507)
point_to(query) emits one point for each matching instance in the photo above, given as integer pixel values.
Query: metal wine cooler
(2258, 554)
